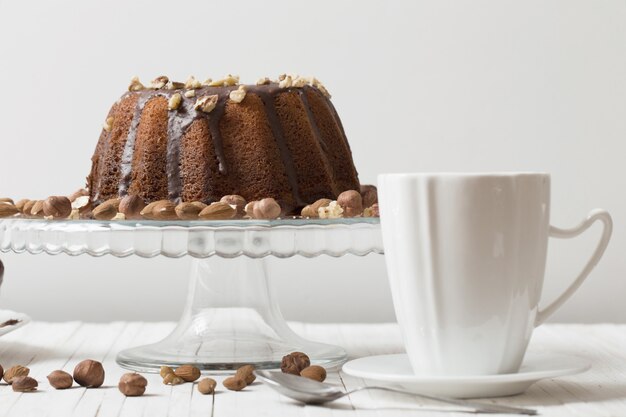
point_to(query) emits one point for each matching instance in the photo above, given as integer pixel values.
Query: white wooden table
(44, 347)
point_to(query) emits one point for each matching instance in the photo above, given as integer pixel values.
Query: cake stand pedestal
(231, 317)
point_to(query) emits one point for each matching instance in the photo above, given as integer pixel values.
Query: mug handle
(597, 214)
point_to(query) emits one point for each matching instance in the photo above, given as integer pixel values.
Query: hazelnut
(159, 82)
(189, 211)
(7, 210)
(174, 102)
(14, 372)
(235, 200)
(234, 383)
(60, 380)
(58, 207)
(314, 372)
(207, 386)
(160, 210)
(131, 207)
(81, 192)
(173, 379)
(218, 211)
(89, 373)
(331, 211)
(372, 211)
(294, 363)
(267, 208)
(24, 384)
(188, 372)
(108, 124)
(165, 370)
(312, 210)
(132, 384)
(246, 373)
(107, 210)
(206, 103)
(351, 202)
(238, 95)
(135, 85)
(20, 204)
(37, 209)
(369, 194)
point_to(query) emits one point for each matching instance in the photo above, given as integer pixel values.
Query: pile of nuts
(351, 203)
(189, 373)
(298, 363)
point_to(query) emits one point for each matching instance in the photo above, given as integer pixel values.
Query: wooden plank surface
(44, 347)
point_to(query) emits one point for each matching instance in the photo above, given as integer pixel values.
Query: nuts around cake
(202, 141)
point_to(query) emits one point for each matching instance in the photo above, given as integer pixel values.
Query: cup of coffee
(466, 255)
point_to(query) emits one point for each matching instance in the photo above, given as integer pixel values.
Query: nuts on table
(15, 372)
(165, 370)
(173, 379)
(57, 206)
(294, 363)
(218, 211)
(246, 372)
(24, 384)
(351, 202)
(267, 208)
(235, 200)
(60, 379)
(314, 372)
(131, 206)
(207, 386)
(89, 373)
(132, 384)
(188, 372)
(234, 383)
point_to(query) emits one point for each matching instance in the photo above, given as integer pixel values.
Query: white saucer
(395, 370)
(6, 315)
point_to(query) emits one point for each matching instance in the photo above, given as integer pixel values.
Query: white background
(421, 86)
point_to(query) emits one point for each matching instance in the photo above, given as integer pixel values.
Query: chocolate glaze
(180, 119)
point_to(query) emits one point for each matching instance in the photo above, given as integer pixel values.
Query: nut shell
(312, 210)
(165, 370)
(173, 379)
(58, 207)
(234, 383)
(89, 373)
(132, 384)
(247, 373)
(207, 386)
(60, 379)
(15, 372)
(294, 363)
(314, 372)
(24, 384)
(188, 372)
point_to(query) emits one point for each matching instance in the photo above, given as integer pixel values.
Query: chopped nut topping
(174, 85)
(263, 81)
(282, 77)
(286, 82)
(207, 82)
(206, 103)
(226, 81)
(190, 93)
(238, 95)
(299, 82)
(174, 101)
(332, 211)
(135, 85)
(317, 84)
(159, 82)
(108, 124)
(192, 83)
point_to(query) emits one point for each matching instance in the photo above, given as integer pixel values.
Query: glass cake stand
(231, 317)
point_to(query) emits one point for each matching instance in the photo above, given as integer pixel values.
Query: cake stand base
(230, 320)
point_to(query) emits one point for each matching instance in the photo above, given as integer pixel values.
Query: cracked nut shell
(294, 363)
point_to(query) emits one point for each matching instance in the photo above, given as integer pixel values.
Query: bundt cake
(201, 141)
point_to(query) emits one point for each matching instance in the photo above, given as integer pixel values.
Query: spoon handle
(475, 406)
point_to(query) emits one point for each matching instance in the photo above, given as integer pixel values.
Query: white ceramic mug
(466, 256)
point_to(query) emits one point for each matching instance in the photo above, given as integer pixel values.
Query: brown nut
(267, 209)
(7, 200)
(160, 210)
(107, 210)
(294, 363)
(37, 209)
(24, 384)
(312, 210)
(165, 370)
(20, 204)
(81, 192)
(189, 211)
(89, 373)
(234, 383)
(82, 204)
(28, 207)
(60, 379)
(351, 202)
(218, 211)
(249, 208)
(173, 379)
(314, 372)
(58, 207)
(7, 210)
(235, 200)
(372, 211)
(246, 372)
(369, 193)
(14, 372)
(207, 386)
(188, 372)
(132, 384)
(131, 206)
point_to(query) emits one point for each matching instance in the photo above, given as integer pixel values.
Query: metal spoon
(312, 392)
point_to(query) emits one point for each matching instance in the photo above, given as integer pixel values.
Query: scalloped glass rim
(282, 238)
